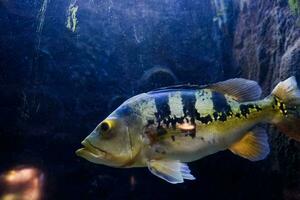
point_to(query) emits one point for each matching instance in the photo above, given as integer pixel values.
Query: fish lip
(89, 148)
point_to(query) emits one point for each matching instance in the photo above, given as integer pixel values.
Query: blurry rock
(290, 61)
(156, 77)
(267, 49)
(102, 186)
(20, 8)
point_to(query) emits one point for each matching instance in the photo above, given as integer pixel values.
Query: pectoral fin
(172, 171)
(253, 146)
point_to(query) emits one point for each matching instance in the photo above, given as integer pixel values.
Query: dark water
(65, 65)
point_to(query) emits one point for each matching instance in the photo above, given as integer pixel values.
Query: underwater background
(66, 64)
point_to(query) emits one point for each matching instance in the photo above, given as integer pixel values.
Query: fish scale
(214, 129)
(210, 122)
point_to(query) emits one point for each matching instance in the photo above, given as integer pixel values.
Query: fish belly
(208, 140)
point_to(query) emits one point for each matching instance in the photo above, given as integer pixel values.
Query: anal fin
(172, 171)
(253, 146)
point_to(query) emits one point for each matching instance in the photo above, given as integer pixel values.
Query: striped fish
(166, 128)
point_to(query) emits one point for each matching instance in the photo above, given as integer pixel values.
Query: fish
(167, 128)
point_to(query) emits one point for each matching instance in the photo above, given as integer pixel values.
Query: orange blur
(22, 184)
(186, 127)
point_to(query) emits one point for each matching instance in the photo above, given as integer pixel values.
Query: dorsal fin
(178, 87)
(240, 89)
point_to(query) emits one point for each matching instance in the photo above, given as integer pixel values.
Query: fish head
(114, 142)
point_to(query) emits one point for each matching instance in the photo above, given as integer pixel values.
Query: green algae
(295, 6)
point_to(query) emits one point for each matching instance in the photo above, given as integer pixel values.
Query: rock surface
(267, 49)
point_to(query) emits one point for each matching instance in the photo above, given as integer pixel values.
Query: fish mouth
(90, 151)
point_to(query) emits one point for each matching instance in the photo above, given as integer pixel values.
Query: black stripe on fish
(279, 105)
(258, 108)
(188, 102)
(190, 110)
(274, 105)
(221, 116)
(175, 120)
(220, 103)
(150, 122)
(238, 115)
(205, 120)
(221, 106)
(246, 109)
(163, 108)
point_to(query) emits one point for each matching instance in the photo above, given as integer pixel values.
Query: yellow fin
(253, 146)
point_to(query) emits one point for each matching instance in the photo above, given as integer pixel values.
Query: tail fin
(288, 96)
(287, 91)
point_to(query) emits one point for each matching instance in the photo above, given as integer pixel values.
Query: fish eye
(104, 126)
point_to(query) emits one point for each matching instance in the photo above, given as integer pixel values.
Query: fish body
(190, 124)
(166, 128)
